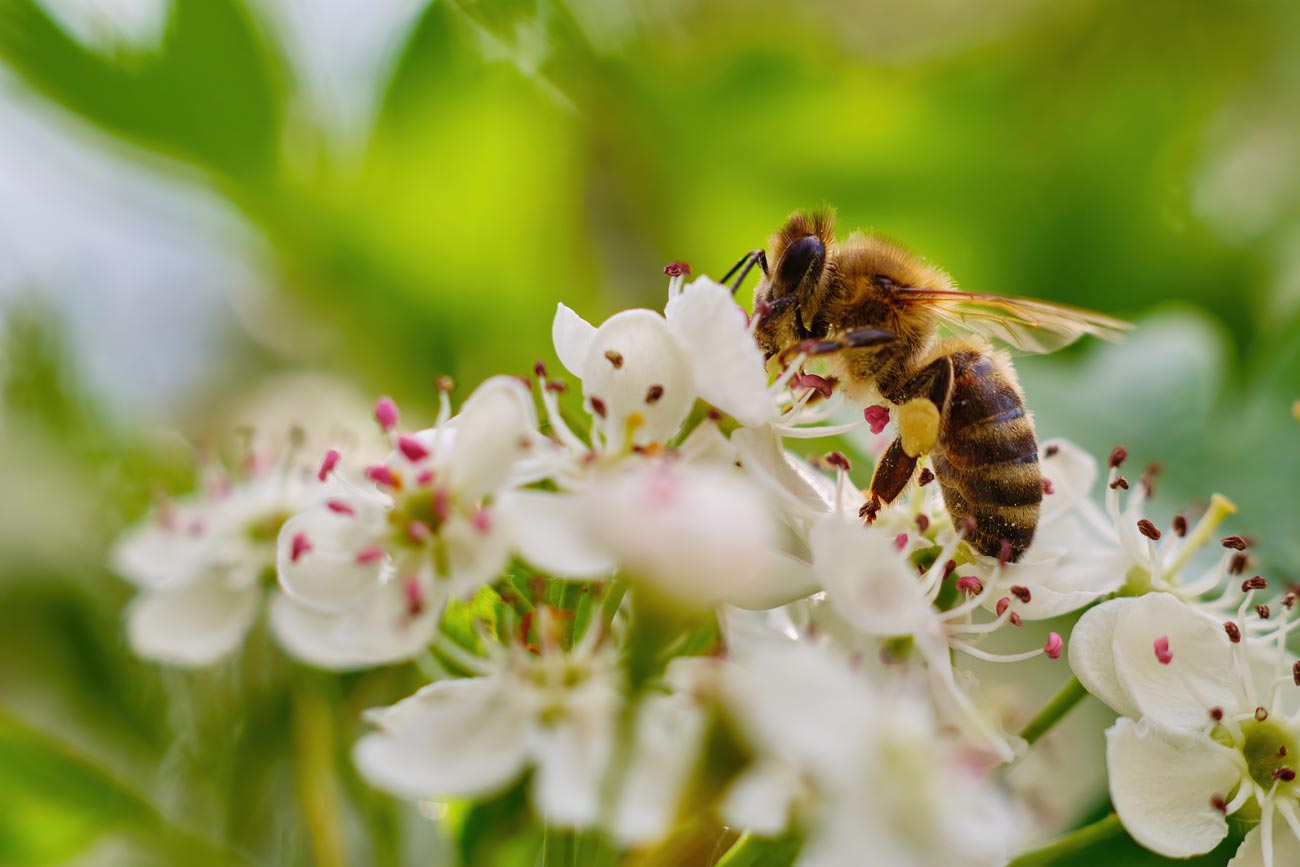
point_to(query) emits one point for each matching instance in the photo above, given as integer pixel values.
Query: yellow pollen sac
(918, 426)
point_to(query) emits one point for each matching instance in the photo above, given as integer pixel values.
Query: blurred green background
(205, 197)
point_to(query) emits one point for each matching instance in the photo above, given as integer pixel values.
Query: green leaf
(209, 95)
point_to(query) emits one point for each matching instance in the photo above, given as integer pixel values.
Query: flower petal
(379, 631)
(571, 758)
(641, 375)
(493, 431)
(1286, 848)
(152, 554)
(868, 582)
(475, 555)
(572, 336)
(194, 624)
(728, 366)
(782, 579)
(1092, 655)
(669, 731)
(1161, 783)
(455, 738)
(762, 798)
(321, 570)
(1201, 653)
(548, 532)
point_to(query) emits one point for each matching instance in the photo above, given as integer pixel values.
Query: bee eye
(800, 258)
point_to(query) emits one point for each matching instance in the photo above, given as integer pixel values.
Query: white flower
(376, 565)
(872, 585)
(1218, 731)
(642, 372)
(553, 712)
(697, 534)
(858, 771)
(201, 562)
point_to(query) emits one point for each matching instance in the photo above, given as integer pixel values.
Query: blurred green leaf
(210, 95)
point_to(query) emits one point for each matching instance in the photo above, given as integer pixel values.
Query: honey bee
(874, 312)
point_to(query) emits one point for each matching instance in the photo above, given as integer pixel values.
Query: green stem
(1071, 843)
(318, 793)
(742, 853)
(1061, 704)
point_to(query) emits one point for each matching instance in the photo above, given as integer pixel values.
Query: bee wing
(1023, 323)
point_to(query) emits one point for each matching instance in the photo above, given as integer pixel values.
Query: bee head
(790, 293)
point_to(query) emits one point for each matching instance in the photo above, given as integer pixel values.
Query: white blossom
(858, 770)
(202, 561)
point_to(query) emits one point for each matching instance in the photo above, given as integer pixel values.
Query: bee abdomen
(986, 459)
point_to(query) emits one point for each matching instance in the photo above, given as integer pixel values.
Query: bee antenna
(748, 260)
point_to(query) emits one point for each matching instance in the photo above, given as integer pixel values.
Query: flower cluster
(606, 577)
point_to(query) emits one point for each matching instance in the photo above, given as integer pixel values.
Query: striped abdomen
(986, 458)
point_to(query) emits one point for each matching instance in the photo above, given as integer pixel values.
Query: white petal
(1072, 472)
(696, 532)
(1162, 782)
(454, 738)
(669, 730)
(493, 432)
(804, 492)
(571, 758)
(869, 582)
(475, 556)
(1286, 848)
(707, 445)
(762, 797)
(548, 532)
(1201, 652)
(782, 579)
(379, 630)
(151, 554)
(572, 336)
(328, 577)
(728, 366)
(195, 624)
(633, 353)
(1092, 655)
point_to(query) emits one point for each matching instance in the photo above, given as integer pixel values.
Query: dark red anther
(557, 386)
(922, 522)
(1256, 583)
(614, 357)
(1120, 483)
(1234, 633)
(1004, 554)
(677, 269)
(1295, 673)
(838, 461)
(1238, 563)
(1236, 543)
(1218, 803)
(818, 383)
(877, 417)
(1021, 593)
(949, 568)
(1216, 713)
(446, 384)
(1050, 451)
(597, 406)
(1148, 529)
(1262, 611)
(1261, 714)
(653, 394)
(1047, 486)
(1117, 456)
(539, 369)
(1180, 526)
(926, 477)
(1284, 773)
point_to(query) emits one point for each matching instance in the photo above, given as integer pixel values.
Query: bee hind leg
(893, 473)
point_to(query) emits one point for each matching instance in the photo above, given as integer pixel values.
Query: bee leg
(851, 340)
(918, 426)
(893, 473)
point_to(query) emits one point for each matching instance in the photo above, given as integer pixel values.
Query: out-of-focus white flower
(695, 534)
(553, 712)
(1218, 733)
(376, 565)
(201, 561)
(112, 25)
(858, 771)
(872, 585)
